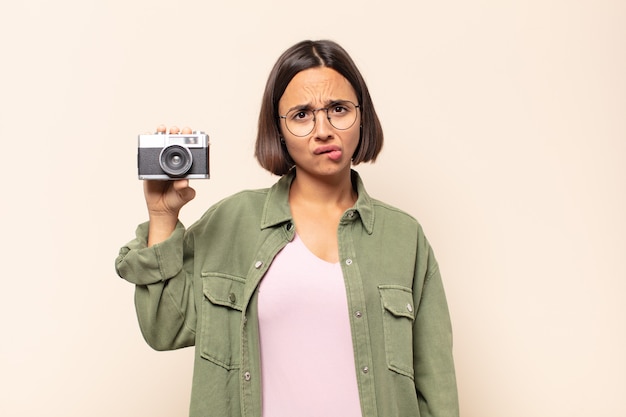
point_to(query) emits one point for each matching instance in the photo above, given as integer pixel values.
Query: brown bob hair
(269, 151)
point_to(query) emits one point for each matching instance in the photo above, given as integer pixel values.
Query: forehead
(317, 86)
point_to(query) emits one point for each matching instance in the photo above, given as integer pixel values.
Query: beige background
(506, 137)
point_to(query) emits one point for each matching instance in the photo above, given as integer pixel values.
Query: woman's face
(326, 150)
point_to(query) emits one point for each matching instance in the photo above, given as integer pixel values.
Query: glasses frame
(314, 111)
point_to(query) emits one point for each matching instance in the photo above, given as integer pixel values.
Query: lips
(333, 152)
(326, 149)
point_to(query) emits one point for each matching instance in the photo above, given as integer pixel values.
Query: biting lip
(326, 149)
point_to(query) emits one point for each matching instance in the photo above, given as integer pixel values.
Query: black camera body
(163, 156)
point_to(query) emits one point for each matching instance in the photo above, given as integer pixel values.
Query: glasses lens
(341, 115)
(300, 122)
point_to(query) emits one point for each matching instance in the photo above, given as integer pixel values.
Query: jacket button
(258, 264)
(366, 369)
(358, 314)
(289, 226)
(247, 376)
(348, 262)
(232, 297)
(409, 307)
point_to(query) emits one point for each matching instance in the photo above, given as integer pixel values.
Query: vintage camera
(163, 156)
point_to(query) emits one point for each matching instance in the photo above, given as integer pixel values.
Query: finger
(154, 187)
(181, 184)
(185, 192)
(186, 130)
(161, 129)
(188, 194)
(174, 130)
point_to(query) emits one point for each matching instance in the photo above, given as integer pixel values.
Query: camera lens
(175, 160)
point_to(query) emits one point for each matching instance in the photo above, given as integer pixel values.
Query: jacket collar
(276, 209)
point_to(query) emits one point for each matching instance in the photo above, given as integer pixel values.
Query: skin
(165, 199)
(322, 189)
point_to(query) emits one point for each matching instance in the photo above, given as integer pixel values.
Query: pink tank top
(307, 359)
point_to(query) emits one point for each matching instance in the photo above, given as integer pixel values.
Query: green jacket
(199, 288)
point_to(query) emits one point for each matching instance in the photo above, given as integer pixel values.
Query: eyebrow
(309, 106)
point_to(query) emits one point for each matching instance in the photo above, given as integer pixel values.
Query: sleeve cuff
(143, 265)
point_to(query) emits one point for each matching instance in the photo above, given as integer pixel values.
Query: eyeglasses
(301, 121)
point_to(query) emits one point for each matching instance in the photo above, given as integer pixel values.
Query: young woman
(309, 298)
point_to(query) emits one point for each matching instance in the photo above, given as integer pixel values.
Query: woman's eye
(300, 115)
(339, 109)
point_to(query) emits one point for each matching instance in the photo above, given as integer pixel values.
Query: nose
(323, 130)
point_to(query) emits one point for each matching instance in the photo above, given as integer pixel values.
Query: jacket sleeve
(162, 275)
(435, 378)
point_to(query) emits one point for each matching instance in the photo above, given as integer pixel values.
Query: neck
(330, 191)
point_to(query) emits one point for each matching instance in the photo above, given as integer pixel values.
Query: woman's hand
(165, 199)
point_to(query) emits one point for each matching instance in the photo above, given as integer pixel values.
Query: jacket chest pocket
(221, 315)
(398, 317)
